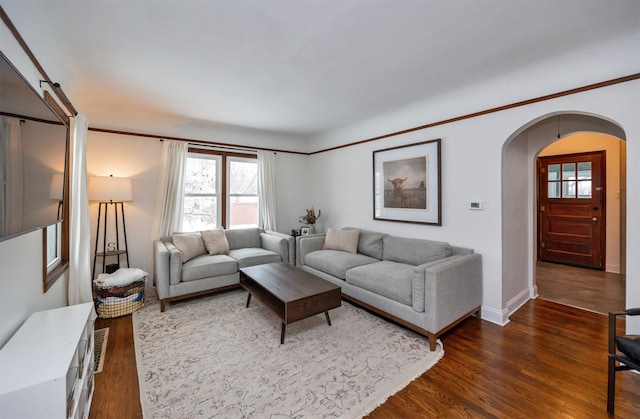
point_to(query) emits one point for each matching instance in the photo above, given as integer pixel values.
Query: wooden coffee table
(291, 293)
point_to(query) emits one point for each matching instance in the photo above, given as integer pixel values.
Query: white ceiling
(297, 67)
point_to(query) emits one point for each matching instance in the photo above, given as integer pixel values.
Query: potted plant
(310, 218)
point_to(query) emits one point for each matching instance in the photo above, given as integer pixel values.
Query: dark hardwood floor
(593, 290)
(550, 361)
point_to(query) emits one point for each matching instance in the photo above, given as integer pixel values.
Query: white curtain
(167, 217)
(11, 175)
(79, 234)
(267, 189)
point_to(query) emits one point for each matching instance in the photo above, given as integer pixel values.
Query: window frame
(227, 202)
(223, 179)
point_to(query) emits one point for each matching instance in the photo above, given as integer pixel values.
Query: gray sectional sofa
(178, 275)
(427, 286)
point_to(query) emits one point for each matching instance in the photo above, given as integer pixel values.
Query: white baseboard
(499, 317)
(615, 269)
(520, 300)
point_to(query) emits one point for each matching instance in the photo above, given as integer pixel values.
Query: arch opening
(519, 195)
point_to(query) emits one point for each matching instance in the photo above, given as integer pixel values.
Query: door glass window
(553, 178)
(568, 180)
(584, 180)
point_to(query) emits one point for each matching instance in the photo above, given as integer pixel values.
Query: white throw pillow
(190, 244)
(345, 240)
(215, 241)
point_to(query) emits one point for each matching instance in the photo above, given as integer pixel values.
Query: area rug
(213, 357)
(100, 337)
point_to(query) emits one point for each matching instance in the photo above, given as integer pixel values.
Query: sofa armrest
(167, 266)
(283, 244)
(308, 244)
(161, 268)
(452, 289)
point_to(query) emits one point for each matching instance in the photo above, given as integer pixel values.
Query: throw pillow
(345, 240)
(190, 244)
(630, 346)
(215, 241)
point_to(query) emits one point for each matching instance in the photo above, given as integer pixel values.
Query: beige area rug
(100, 337)
(212, 357)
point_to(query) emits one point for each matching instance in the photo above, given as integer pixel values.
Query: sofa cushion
(336, 262)
(389, 279)
(190, 244)
(250, 256)
(215, 241)
(345, 240)
(414, 251)
(243, 237)
(370, 243)
(208, 265)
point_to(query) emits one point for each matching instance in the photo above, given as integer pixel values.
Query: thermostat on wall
(475, 205)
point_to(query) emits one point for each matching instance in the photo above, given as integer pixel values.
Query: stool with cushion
(624, 354)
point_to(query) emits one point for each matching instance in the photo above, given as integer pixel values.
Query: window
(221, 190)
(243, 192)
(54, 246)
(563, 182)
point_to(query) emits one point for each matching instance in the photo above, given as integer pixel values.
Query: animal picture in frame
(406, 183)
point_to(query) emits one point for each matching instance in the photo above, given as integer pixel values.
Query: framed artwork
(406, 183)
(304, 231)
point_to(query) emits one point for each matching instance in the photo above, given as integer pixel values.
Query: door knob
(594, 219)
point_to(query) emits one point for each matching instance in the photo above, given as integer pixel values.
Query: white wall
(138, 158)
(130, 157)
(471, 170)
(340, 183)
(21, 283)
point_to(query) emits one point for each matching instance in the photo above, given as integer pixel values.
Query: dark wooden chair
(624, 354)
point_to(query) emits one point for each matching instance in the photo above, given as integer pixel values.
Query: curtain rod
(195, 141)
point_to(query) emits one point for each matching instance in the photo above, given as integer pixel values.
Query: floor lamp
(110, 191)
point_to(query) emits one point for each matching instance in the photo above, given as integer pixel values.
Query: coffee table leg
(248, 299)
(282, 331)
(326, 313)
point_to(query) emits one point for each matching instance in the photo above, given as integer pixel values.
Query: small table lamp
(110, 190)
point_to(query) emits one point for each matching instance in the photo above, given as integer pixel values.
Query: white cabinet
(46, 368)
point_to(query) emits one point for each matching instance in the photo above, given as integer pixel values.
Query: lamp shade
(57, 183)
(109, 188)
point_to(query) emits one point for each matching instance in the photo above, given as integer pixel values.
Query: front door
(571, 210)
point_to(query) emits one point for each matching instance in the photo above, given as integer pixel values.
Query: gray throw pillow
(190, 244)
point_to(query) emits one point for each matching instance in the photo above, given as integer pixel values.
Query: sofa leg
(433, 341)
(162, 305)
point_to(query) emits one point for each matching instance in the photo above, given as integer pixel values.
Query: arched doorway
(519, 205)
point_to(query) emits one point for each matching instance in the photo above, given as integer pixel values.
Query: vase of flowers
(310, 218)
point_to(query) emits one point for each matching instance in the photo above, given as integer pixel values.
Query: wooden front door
(571, 210)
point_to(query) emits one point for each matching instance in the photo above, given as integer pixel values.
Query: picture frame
(304, 231)
(407, 183)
